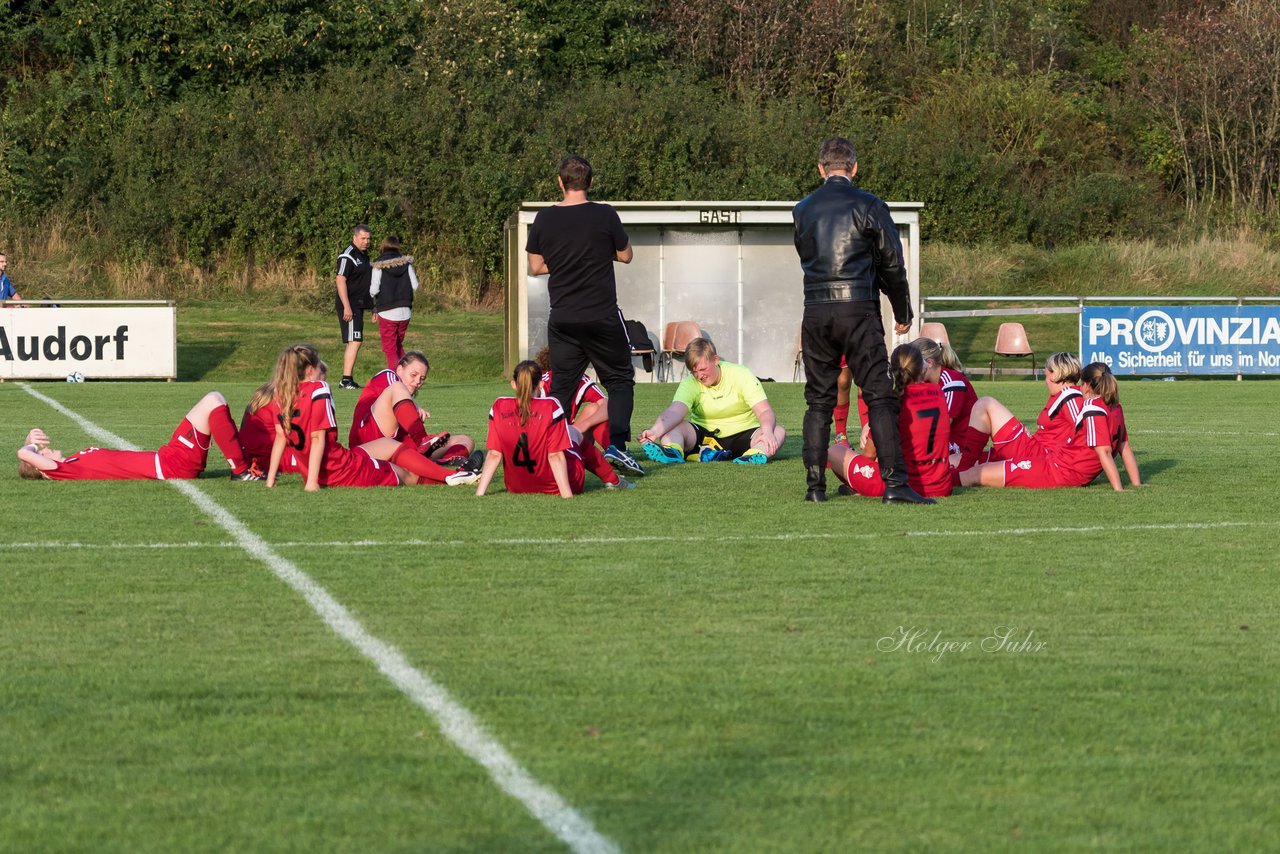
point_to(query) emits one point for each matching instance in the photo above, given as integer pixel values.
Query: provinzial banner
(1198, 339)
(98, 341)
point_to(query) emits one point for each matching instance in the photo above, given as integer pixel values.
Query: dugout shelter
(729, 266)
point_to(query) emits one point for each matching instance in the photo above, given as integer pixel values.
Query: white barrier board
(101, 341)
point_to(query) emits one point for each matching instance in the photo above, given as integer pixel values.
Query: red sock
(841, 413)
(224, 432)
(971, 445)
(406, 413)
(598, 434)
(597, 464)
(408, 458)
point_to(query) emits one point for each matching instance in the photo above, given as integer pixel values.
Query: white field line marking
(1205, 433)
(568, 541)
(454, 720)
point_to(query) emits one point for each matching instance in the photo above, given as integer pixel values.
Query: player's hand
(346, 314)
(647, 436)
(422, 413)
(312, 487)
(902, 328)
(37, 437)
(863, 436)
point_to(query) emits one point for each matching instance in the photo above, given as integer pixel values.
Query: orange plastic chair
(676, 336)
(1012, 343)
(936, 331)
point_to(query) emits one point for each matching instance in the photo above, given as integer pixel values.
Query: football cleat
(252, 473)
(755, 458)
(841, 439)
(623, 461)
(468, 472)
(346, 383)
(433, 444)
(662, 454)
(713, 455)
(622, 483)
(462, 477)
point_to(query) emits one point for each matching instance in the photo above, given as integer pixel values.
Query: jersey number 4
(521, 456)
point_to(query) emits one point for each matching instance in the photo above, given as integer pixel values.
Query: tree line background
(250, 134)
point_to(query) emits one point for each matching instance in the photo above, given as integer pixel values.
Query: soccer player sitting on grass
(312, 434)
(387, 408)
(1072, 446)
(923, 427)
(721, 408)
(589, 412)
(537, 449)
(183, 457)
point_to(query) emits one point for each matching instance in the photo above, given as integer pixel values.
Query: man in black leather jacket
(849, 250)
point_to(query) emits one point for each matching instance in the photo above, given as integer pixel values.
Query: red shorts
(1013, 442)
(1034, 472)
(361, 470)
(186, 453)
(577, 472)
(369, 430)
(863, 476)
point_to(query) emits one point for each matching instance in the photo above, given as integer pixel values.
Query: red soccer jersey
(1057, 421)
(363, 427)
(588, 391)
(313, 412)
(960, 397)
(924, 429)
(1119, 432)
(258, 434)
(526, 447)
(1076, 462)
(183, 457)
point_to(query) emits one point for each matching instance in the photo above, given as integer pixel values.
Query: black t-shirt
(579, 243)
(354, 264)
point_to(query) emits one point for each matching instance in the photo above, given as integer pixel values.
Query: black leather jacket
(848, 246)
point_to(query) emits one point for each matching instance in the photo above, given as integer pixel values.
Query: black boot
(816, 480)
(898, 491)
(817, 432)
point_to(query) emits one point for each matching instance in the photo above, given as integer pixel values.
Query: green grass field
(702, 663)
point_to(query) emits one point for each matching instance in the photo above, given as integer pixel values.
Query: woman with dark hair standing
(392, 286)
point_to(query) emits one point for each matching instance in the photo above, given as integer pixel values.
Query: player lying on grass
(589, 412)
(1096, 380)
(721, 408)
(387, 409)
(184, 456)
(1072, 446)
(538, 450)
(312, 434)
(923, 426)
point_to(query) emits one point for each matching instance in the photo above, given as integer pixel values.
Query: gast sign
(99, 339)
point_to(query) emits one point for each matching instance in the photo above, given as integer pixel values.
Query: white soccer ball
(75, 377)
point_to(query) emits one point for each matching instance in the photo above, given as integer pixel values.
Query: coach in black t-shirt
(577, 242)
(352, 283)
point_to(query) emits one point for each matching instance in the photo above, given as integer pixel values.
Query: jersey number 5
(521, 456)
